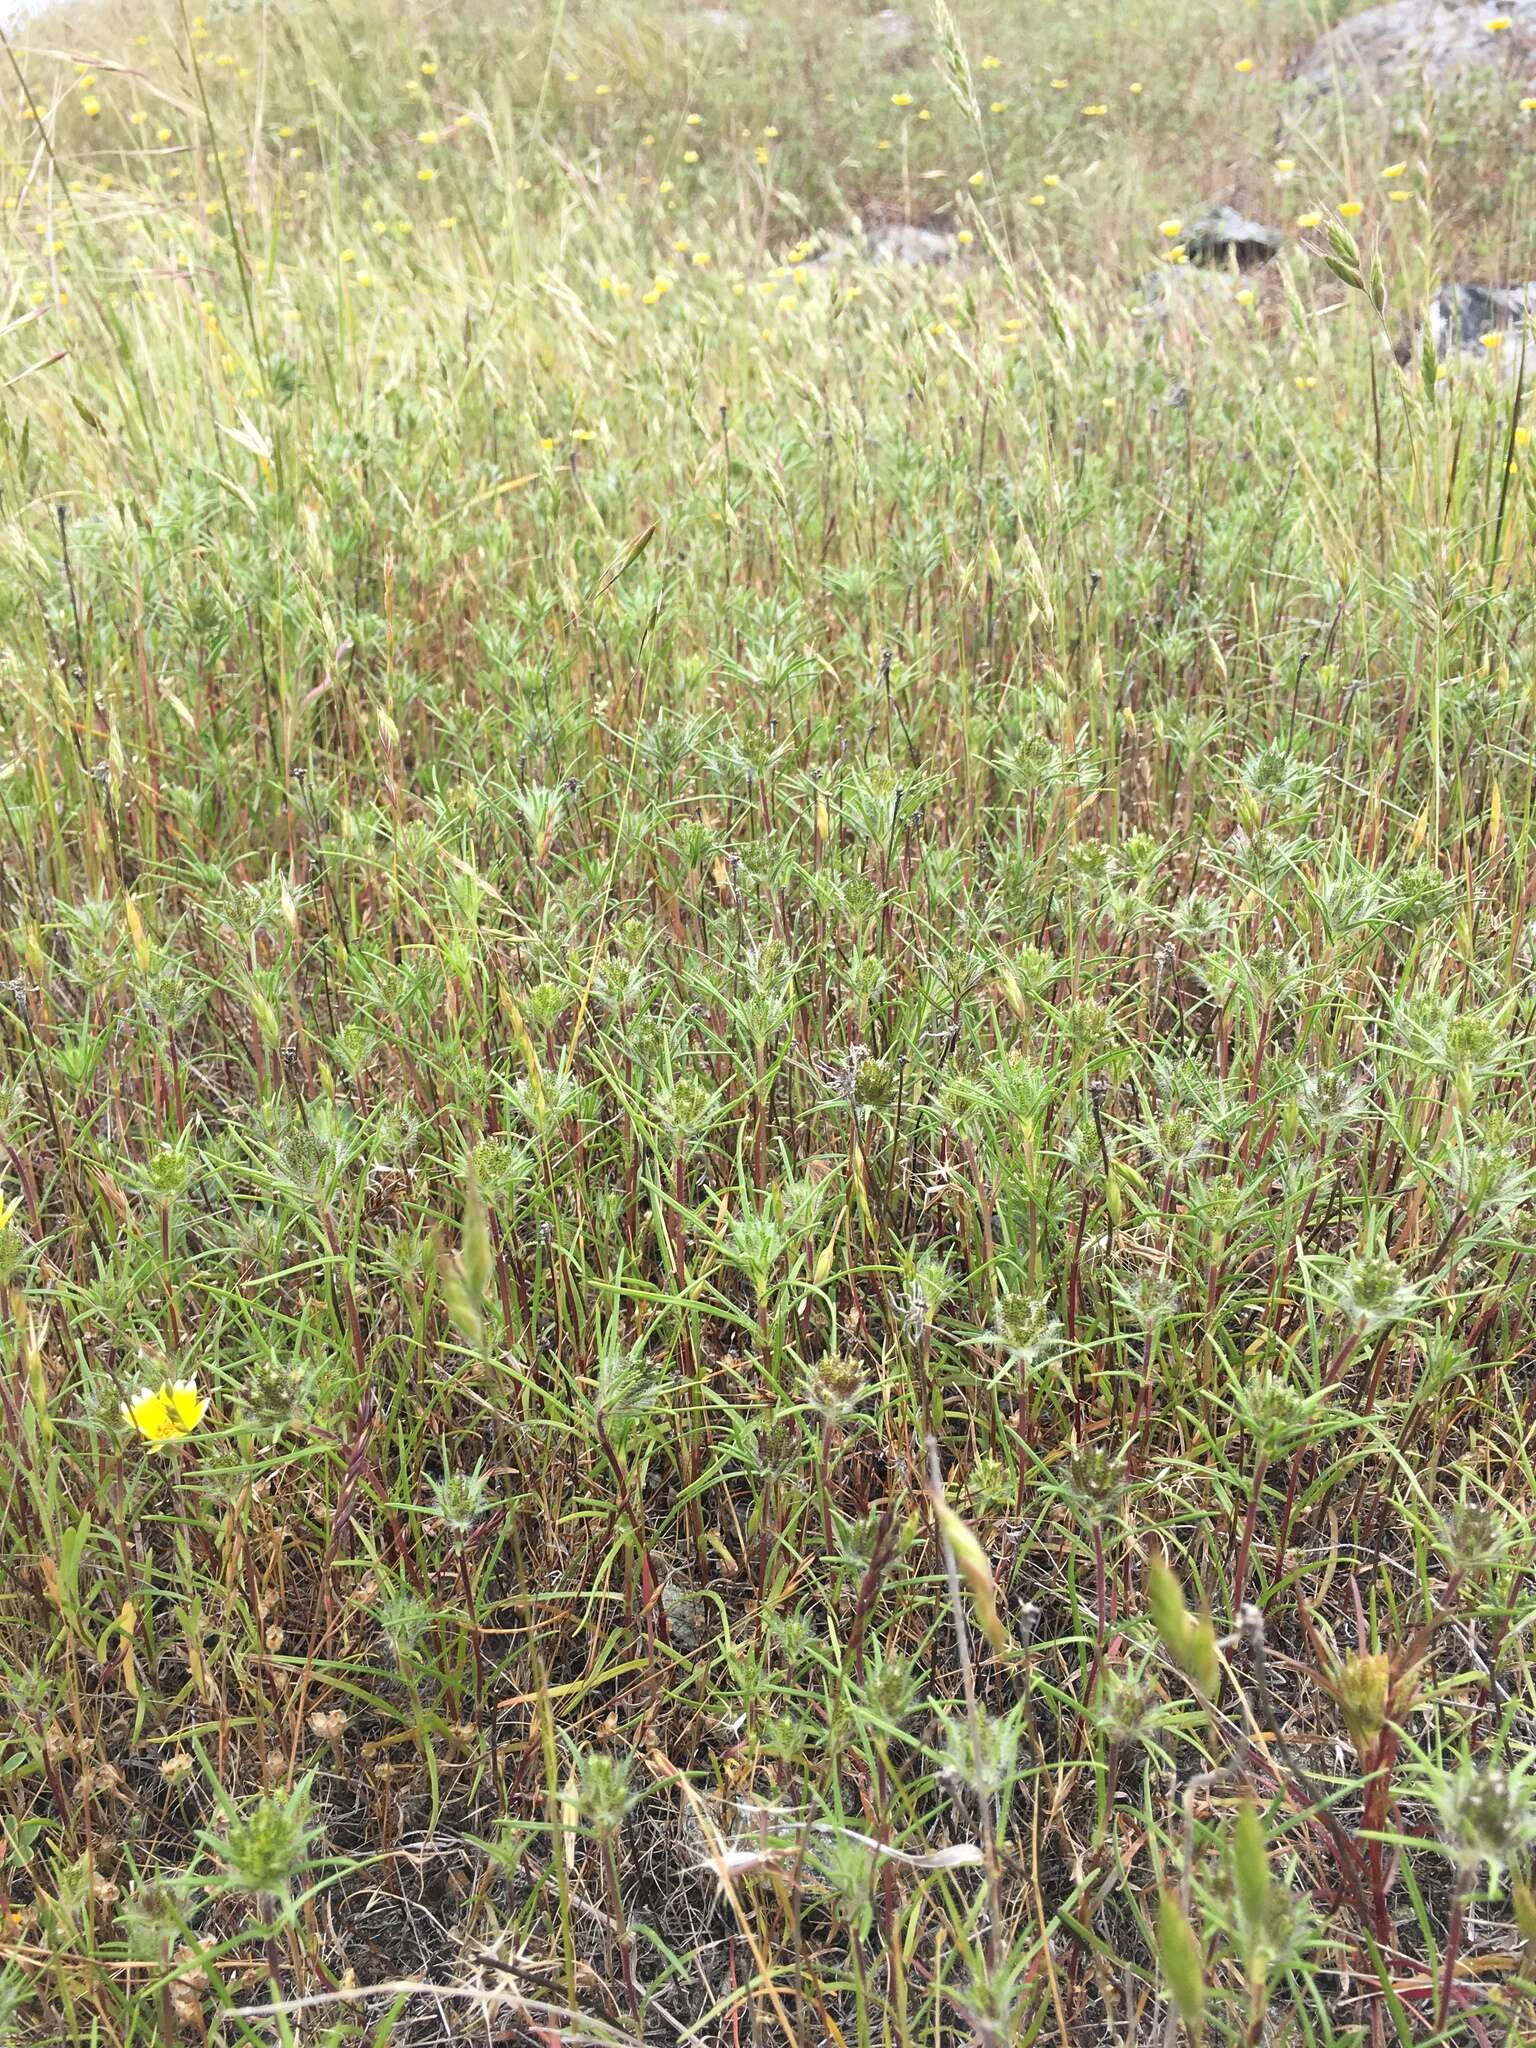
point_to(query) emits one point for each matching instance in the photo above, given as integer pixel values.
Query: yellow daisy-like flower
(1243, 64)
(425, 175)
(1134, 86)
(1349, 209)
(1246, 296)
(695, 120)
(1309, 220)
(1499, 23)
(976, 180)
(167, 1414)
(429, 68)
(1493, 339)
(1397, 195)
(1528, 106)
(690, 156)
(1171, 228)
(1037, 199)
(901, 99)
(991, 63)
(772, 134)
(91, 106)
(1394, 170)
(1050, 179)
(1093, 113)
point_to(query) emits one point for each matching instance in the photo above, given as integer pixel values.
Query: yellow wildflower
(167, 1414)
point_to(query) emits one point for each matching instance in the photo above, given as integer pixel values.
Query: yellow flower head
(1349, 209)
(1498, 23)
(1171, 228)
(1493, 339)
(1050, 178)
(901, 99)
(1309, 220)
(1528, 106)
(1394, 170)
(167, 1414)
(977, 179)
(991, 63)
(1243, 64)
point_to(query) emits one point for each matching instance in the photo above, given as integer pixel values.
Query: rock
(719, 21)
(895, 244)
(891, 37)
(1397, 47)
(899, 242)
(1460, 315)
(1221, 236)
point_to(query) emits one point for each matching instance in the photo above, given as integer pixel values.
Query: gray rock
(1394, 48)
(899, 242)
(1461, 314)
(894, 244)
(1222, 236)
(891, 37)
(718, 21)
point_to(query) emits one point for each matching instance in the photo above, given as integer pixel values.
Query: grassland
(798, 998)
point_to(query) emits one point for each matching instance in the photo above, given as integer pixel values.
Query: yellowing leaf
(971, 1561)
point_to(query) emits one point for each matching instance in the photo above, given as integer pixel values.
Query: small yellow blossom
(1058, 85)
(1092, 113)
(137, 117)
(349, 255)
(1243, 64)
(1284, 166)
(761, 154)
(429, 67)
(965, 238)
(901, 99)
(1522, 437)
(1499, 23)
(162, 135)
(1309, 220)
(425, 174)
(976, 180)
(1051, 180)
(1037, 199)
(426, 138)
(1135, 85)
(1305, 383)
(91, 106)
(1171, 228)
(991, 63)
(1394, 170)
(772, 134)
(1398, 194)
(1493, 339)
(883, 143)
(1350, 209)
(167, 1414)
(998, 106)
(695, 120)
(1247, 296)
(923, 114)
(690, 156)
(1528, 106)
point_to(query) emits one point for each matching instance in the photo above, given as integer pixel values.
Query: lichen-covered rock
(1394, 48)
